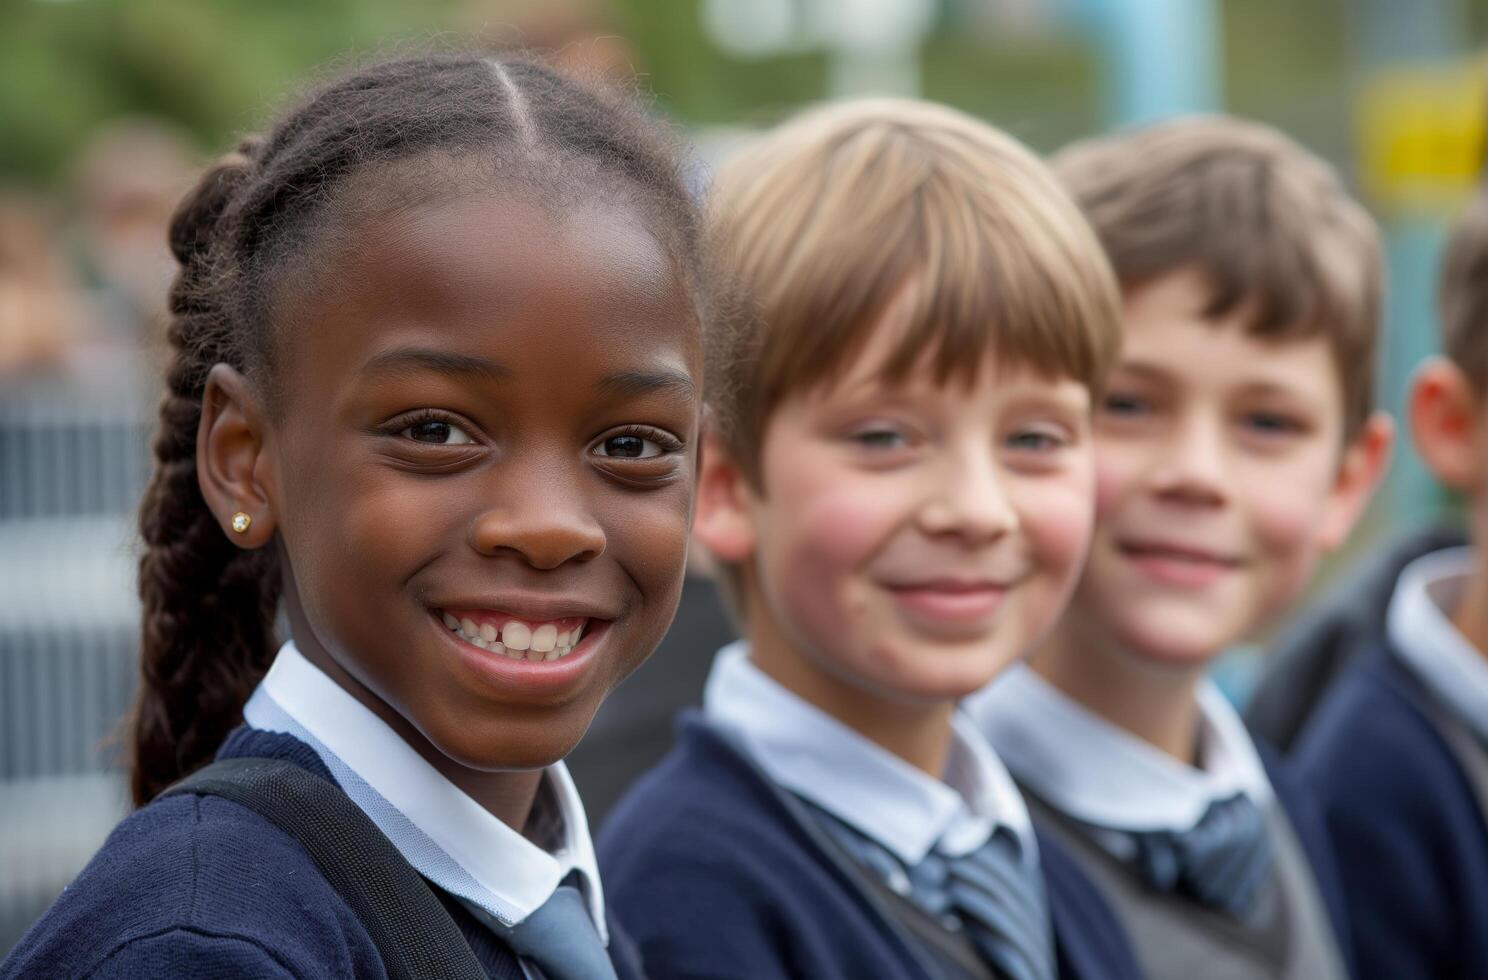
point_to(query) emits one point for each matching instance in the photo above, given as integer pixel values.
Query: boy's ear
(724, 524)
(1365, 462)
(1444, 424)
(229, 457)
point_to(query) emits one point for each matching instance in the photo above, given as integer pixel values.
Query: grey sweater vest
(1287, 936)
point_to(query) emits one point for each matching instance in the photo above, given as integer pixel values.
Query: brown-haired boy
(899, 485)
(1398, 750)
(1234, 444)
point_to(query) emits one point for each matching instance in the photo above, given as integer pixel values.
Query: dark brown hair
(254, 217)
(1267, 223)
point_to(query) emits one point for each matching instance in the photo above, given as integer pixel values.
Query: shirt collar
(1094, 771)
(1425, 638)
(448, 838)
(817, 757)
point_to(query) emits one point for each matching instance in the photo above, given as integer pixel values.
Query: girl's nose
(545, 527)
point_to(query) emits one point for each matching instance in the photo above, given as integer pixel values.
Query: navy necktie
(1222, 862)
(991, 892)
(560, 938)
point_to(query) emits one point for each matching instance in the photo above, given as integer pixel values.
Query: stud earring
(241, 522)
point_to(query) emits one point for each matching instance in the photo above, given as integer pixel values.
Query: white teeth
(517, 640)
(516, 636)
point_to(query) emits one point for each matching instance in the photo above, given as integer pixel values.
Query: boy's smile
(1218, 461)
(485, 524)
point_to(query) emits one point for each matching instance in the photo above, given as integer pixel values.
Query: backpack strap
(412, 930)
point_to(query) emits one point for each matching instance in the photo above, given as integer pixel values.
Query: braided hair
(208, 606)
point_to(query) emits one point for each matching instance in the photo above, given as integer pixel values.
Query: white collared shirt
(1425, 638)
(1100, 774)
(447, 836)
(815, 756)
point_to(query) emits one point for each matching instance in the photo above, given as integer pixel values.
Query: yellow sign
(1421, 131)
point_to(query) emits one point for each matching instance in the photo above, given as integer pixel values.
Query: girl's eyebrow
(630, 383)
(404, 360)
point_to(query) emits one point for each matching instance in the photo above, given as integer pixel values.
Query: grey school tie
(1222, 862)
(560, 938)
(991, 892)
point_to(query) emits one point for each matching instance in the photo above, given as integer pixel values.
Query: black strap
(413, 932)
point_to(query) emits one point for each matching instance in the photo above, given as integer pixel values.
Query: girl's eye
(1125, 406)
(436, 433)
(644, 444)
(628, 447)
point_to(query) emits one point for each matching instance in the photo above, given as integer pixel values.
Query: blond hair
(1267, 223)
(1464, 292)
(822, 221)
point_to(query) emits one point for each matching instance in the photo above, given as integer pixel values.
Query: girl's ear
(1366, 459)
(229, 457)
(724, 525)
(1444, 424)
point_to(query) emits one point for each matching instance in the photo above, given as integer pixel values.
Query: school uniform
(201, 886)
(1222, 871)
(774, 841)
(1398, 753)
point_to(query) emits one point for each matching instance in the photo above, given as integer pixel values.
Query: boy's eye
(437, 433)
(1124, 405)
(1036, 440)
(1272, 423)
(880, 438)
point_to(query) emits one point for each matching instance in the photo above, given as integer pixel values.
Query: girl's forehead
(500, 279)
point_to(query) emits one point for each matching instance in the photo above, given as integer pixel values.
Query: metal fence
(73, 461)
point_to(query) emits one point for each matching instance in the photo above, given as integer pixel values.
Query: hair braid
(208, 606)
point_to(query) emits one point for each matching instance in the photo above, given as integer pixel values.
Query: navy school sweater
(1409, 832)
(712, 877)
(1304, 811)
(202, 887)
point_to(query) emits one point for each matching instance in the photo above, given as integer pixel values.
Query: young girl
(435, 397)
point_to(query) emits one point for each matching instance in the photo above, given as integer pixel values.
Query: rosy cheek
(1058, 522)
(1116, 473)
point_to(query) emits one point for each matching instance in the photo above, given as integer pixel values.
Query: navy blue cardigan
(712, 877)
(1410, 834)
(201, 887)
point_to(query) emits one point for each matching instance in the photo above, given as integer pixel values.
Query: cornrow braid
(208, 606)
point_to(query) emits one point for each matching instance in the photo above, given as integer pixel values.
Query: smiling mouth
(1177, 553)
(514, 637)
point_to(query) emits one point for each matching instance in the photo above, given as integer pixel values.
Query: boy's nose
(969, 501)
(1194, 469)
(545, 528)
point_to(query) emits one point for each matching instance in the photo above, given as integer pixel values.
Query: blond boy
(899, 488)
